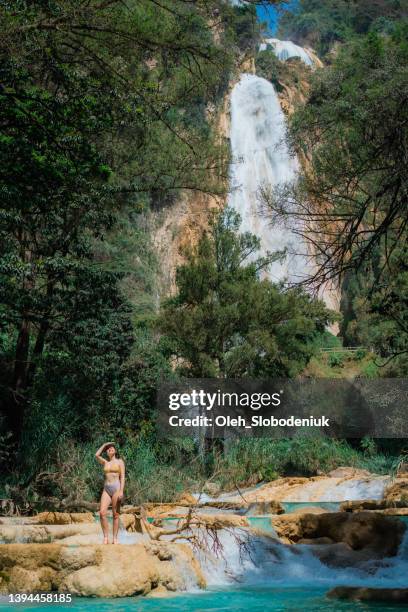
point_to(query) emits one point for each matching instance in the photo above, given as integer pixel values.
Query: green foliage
(327, 340)
(103, 115)
(336, 360)
(270, 67)
(242, 26)
(321, 24)
(292, 73)
(225, 321)
(354, 188)
(360, 354)
(370, 370)
(248, 461)
(377, 312)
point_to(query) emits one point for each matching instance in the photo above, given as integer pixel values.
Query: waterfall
(284, 49)
(339, 489)
(268, 562)
(261, 159)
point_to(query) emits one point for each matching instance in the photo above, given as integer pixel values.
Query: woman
(114, 470)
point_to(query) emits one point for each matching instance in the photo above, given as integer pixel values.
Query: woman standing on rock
(114, 470)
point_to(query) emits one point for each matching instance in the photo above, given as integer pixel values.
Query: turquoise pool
(228, 600)
(293, 506)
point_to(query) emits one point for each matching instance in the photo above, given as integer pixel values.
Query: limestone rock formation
(46, 533)
(349, 472)
(98, 571)
(398, 489)
(385, 506)
(309, 510)
(380, 535)
(62, 518)
(369, 594)
(269, 507)
(350, 484)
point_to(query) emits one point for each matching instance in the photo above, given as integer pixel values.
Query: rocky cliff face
(179, 227)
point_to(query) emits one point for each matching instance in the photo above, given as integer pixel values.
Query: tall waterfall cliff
(261, 159)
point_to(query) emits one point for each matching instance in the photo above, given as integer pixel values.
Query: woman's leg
(116, 515)
(105, 502)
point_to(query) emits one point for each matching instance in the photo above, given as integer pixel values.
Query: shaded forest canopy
(105, 114)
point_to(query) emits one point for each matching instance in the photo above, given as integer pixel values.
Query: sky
(270, 15)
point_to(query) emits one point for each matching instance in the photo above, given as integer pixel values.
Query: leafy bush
(360, 354)
(336, 360)
(248, 461)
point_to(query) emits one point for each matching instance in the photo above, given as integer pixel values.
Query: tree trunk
(21, 358)
(20, 378)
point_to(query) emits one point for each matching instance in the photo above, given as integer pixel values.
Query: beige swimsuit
(112, 487)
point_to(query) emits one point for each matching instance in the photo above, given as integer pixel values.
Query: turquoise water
(231, 600)
(292, 506)
(262, 522)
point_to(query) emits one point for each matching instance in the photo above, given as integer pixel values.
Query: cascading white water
(261, 159)
(338, 490)
(269, 562)
(284, 49)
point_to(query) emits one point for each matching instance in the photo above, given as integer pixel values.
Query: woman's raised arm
(100, 451)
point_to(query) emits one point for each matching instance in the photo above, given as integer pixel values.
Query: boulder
(62, 518)
(395, 511)
(131, 523)
(339, 554)
(369, 594)
(186, 499)
(212, 488)
(397, 490)
(309, 510)
(221, 521)
(381, 535)
(234, 506)
(98, 571)
(46, 533)
(164, 510)
(158, 592)
(269, 507)
(390, 507)
(349, 472)
(316, 541)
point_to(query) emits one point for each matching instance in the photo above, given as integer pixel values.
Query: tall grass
(159, 470)
(249, 460)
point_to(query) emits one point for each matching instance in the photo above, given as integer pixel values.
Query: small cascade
(327, 489)
(266, 561)
(338, 490)
(284, 49)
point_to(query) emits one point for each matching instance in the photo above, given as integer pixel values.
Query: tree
(352, 193)
(350, 202)
(103, 108)
(226, 321)
(376, 311)
(322, 24)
